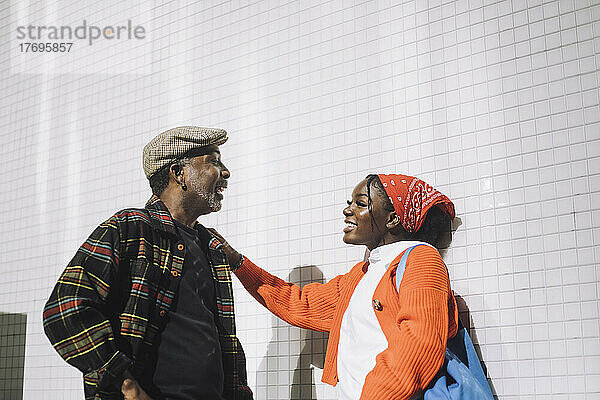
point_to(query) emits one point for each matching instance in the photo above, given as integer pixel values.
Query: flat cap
(175, 143)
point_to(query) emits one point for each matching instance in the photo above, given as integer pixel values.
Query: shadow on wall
(12, 355)
(463, 309)
(465, 316)
(305, 345)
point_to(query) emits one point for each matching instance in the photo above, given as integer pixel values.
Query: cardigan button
(162, 313)
(377, 305)
(180, 246)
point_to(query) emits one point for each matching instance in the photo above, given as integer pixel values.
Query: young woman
(384, 342)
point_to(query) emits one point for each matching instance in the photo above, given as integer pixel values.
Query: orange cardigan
(416, 322)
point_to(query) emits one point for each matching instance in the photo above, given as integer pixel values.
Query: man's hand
(132, 390)
(233, 256)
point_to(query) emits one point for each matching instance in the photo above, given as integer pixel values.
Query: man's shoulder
(142, 221)
(130, 216)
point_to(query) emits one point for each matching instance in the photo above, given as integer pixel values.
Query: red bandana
(412, 198)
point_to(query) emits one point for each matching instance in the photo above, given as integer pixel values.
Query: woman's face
(361, 227)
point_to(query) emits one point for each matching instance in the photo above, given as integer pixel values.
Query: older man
(145, 307)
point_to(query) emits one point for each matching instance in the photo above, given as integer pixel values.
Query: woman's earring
(183, 186)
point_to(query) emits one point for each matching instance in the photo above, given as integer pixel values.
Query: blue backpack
(461, 376)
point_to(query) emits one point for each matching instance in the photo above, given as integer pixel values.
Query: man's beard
(214, 204)
(210, 198)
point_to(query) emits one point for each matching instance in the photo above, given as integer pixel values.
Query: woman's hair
(434, 228)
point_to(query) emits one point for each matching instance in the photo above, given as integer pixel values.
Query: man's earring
(183, 186)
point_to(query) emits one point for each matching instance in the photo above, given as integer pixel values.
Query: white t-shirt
(361, 337)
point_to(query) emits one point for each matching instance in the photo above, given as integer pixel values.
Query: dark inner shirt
(188, 363)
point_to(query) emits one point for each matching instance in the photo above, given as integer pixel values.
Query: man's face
(206, 178)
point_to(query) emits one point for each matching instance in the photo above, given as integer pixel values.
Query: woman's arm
(311, 307)
(417, 344)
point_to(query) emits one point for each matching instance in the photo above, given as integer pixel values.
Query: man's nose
(225, 174)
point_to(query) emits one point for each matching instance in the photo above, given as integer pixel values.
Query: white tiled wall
(494, 103)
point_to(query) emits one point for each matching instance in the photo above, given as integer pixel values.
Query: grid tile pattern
(12, 355)
(496, 103)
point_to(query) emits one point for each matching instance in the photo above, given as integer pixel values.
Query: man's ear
(176, 173)
(393, 221)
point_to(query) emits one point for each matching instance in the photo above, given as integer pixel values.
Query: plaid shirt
(111, 302)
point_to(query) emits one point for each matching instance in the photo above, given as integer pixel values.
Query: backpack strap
(462, 368)
(402, 265)
(457, 345)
